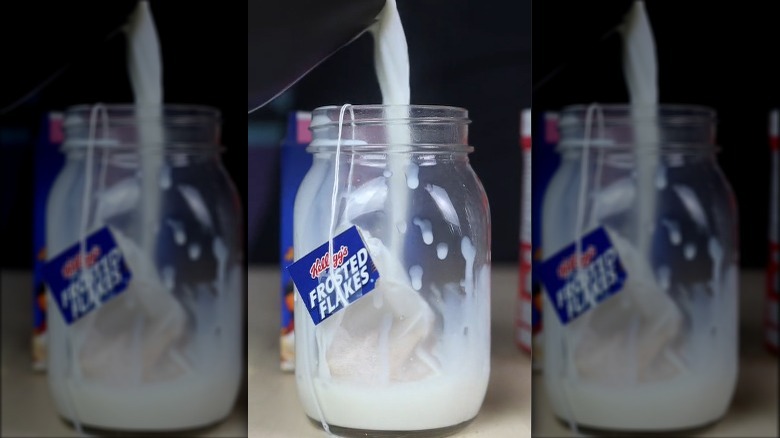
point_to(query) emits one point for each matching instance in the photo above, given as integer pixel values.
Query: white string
(579, 230)
(86, 197)
(333, 202)
(351, 161)
(583, 190)
(334, 194)
(599, 166)
(331, 232)
(85, 274)
(103, 169)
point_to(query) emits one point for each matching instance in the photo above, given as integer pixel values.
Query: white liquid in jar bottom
(703, 354)
(448, 396)
(199, 399)
(200, 392)
(418, 405)
(689, 400)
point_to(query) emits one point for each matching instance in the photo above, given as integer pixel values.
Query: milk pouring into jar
(650, 343)
(394, 359)
(154, 343)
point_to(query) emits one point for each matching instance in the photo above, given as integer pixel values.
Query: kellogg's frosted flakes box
(48, 162)
(295, 162)
(545, 162)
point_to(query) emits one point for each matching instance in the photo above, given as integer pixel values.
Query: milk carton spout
(276, 31)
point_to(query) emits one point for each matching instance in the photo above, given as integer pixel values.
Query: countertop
(27, 409)
(274, 409)
(753, 411)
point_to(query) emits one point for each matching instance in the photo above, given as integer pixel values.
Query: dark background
(718, 54)
(202, 59)
(474, 54)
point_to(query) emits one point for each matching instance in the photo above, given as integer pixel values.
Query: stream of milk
(145, 71)
(391, 62)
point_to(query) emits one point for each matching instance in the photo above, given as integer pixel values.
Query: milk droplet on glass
(674, 232)
(411, 176)
(401, 226)
(168, 277)
(716, 252)
(179, 236)
(165, 177)
(442, 200)
(660, 178)
(119, 198)
(615, 198)
(194, 251)
(441, 251)
(221, 254)
(664, 274)
(415, 274)
(692, 204)
(387, 173)
(469, 252)
(369, 197)
(197, 204)
(425, 229)
(689, 251)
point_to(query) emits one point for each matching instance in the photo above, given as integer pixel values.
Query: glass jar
(166, 353)
(661, 353)
(414, 354)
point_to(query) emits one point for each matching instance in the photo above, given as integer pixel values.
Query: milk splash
(425, 229)
(391, 56)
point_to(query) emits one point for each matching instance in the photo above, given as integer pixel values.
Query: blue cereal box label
(354, 275)
(76, 290)
(602, 276)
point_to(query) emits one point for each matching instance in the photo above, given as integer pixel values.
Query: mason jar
(165, 352)
(413, 355)
(658, 351)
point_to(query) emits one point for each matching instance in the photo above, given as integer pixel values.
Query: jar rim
(391, 149)
(125, 113)
(380, 113)
(627, 113)
(683, 128)
(185, 127)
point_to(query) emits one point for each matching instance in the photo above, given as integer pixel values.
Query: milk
(640, 68)
(193, 372)
(687, 401)
(97, 374)
(406, 406)
(145, 71)
(189, 402)
(461, 350)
